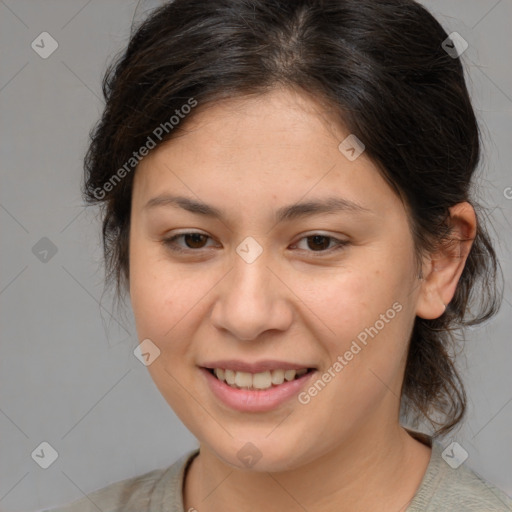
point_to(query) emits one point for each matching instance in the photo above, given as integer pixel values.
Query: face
(334, 290)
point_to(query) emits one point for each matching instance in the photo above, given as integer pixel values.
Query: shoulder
(149, 491)
(447, 488)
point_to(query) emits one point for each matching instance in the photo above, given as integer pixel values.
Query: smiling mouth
(257, 381)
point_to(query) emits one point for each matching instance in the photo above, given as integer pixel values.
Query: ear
(442, 270)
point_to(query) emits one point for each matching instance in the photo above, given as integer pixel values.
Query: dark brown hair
(381, 67)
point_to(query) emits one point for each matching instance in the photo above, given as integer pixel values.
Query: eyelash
(170, 244)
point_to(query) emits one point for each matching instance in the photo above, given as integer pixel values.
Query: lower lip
(255, 401)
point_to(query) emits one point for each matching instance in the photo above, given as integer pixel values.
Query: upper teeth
(262, 380)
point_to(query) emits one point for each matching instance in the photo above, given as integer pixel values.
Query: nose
(252, 299)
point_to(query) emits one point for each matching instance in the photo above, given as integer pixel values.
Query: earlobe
(442, 270)
(430, 304)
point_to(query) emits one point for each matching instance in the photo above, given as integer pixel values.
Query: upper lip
(256, 367)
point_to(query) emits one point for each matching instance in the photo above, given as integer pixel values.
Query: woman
(287, 193)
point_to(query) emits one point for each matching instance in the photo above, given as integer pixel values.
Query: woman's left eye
(323, 241)
(195, 241)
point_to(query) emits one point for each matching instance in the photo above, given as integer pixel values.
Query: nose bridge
(250, 300)
(251, 277)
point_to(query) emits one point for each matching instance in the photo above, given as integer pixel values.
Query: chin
(259, 455)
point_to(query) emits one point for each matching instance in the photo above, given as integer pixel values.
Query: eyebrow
(283, 214)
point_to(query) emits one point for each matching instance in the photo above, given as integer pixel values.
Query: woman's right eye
(192, 239)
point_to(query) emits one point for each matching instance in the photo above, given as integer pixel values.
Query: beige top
(442, 489)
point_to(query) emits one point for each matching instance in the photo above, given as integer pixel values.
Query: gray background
(68, 375)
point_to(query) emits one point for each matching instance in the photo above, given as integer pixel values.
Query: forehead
(282, 119)
(281, 146)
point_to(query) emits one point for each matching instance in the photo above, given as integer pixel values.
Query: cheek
(366, 342)
(366, 322)
(154, 288)
(166, 299)
(352, 299)
(159, 302)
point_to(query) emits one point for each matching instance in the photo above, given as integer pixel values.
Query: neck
(367, 472)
